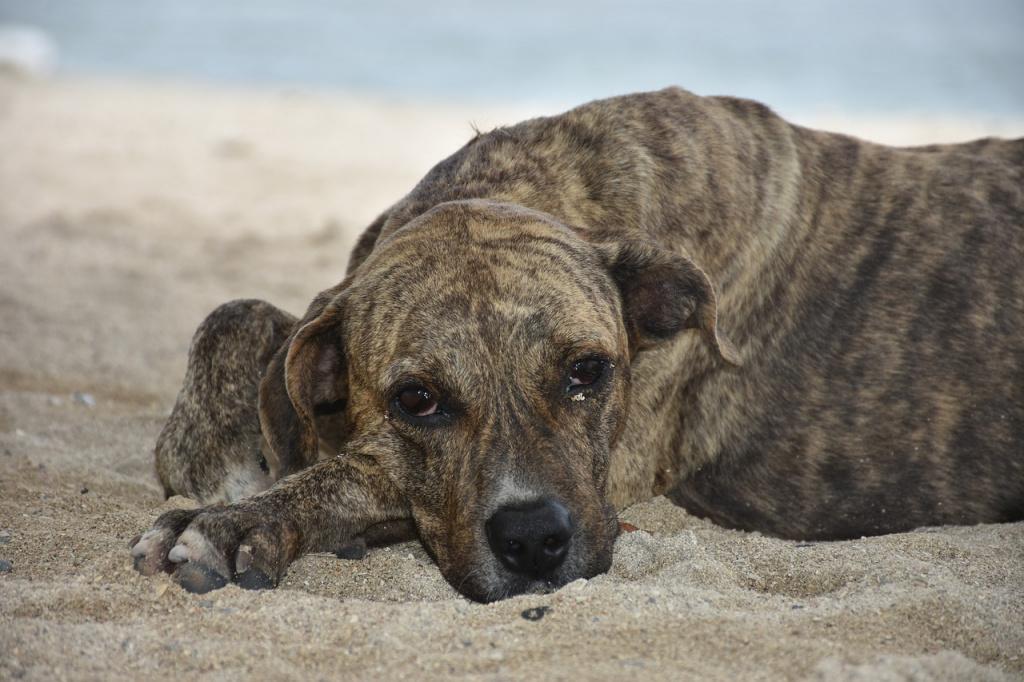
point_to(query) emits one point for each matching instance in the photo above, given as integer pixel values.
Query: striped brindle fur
(792, 331)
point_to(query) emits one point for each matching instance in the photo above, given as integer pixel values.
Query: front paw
(205, 549)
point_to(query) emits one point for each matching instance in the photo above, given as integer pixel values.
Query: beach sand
(129, 211)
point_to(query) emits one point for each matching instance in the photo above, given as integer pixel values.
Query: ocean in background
(869, 56)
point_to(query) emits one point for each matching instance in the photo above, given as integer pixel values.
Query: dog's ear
(664, 293)
(306, 378)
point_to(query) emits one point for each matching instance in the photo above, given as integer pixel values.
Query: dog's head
(481, 355)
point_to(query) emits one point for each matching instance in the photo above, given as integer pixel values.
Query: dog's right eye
(586, 372)
(417, 401)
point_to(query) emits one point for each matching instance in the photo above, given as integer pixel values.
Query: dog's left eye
(417, 401)
(586, 372)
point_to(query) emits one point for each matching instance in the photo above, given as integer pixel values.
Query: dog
(782, 330)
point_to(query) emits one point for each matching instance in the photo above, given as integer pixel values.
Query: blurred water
(799, 55)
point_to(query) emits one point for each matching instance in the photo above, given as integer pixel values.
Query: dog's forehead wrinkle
(514, 276)
(473, 328)
(437, 237)
(473, 220)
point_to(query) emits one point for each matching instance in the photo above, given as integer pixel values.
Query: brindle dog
(783, 330)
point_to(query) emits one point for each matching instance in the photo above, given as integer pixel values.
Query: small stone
(536, 613)
(206, 603)
(86, 399)
(6, 566)
(159, 592)
(84, 490)
(5, 537)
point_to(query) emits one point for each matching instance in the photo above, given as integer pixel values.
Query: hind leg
(211, 448)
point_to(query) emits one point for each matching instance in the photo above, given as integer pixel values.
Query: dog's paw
(205, 549)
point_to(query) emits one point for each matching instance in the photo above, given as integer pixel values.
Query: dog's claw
(255, 579)
(253, 571)
(178, 554)
(148, 551)
(243, 559)
(198, 578)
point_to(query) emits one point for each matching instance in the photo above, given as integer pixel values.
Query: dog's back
(889, 372)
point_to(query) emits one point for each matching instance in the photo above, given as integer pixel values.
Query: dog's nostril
(554, 545)
(531, 539)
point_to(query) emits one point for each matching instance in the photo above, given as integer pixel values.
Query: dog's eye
(417, 401)
(586, 372)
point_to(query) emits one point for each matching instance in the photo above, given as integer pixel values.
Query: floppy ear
(664, 293)
(306, 378)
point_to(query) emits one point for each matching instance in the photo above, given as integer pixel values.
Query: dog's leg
(344, 502)
(211, 448)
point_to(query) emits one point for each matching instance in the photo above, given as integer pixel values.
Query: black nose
(531, 539)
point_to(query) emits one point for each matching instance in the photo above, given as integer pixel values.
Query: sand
(128, 211)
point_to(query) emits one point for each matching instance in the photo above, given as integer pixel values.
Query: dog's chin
(513, 586)
(496, 590)
(490, 583)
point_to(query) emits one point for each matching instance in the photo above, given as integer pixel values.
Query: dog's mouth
(486, 572)
(483, 585)
(515, 586)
